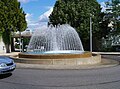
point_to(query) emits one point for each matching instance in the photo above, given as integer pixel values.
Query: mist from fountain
(59, 39)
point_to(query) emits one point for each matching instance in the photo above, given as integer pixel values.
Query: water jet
(57, 45)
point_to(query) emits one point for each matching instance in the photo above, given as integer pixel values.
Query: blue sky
(37, 11)
(37, 7)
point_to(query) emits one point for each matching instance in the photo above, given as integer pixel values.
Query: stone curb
(105, 63)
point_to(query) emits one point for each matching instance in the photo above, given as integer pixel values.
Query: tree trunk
(96, 44)
(7, 46)
(12, 45)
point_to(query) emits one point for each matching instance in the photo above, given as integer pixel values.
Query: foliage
(25, 43)
(77, 13)
(12, 18)
(112, 19)
(113, 14)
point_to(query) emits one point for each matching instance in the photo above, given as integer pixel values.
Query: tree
(112, 19)
(77, 13)
(113, 14)
(12, 18)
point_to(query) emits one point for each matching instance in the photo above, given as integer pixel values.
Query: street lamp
(20, 41)
(90, 33)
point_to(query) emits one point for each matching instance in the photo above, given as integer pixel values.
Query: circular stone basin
(55, 54)
(59, 58)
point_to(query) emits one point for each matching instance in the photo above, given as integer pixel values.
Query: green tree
(111, 19)
(12, 18)
(113, 14)
(77, 13)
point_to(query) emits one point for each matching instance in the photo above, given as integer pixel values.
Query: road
(100, 78)
(114, 57)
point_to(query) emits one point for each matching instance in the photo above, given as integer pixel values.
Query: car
(7, 65)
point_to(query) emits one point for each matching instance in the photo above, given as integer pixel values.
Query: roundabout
(35, 76)
(95, 78)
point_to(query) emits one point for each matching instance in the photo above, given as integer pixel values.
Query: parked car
(7, 65)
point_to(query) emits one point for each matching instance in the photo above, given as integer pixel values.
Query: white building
(2, 46)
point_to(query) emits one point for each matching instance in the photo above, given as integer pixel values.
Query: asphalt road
(114, 57)
(100, 78)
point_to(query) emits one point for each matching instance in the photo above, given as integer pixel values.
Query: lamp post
(20, 41)
(90, 33)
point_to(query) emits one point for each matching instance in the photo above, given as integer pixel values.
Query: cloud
(26, 1)
(31, 23)
(45, 16)
(42, 21)
(48, 7)
(28, 17)
(103, 6)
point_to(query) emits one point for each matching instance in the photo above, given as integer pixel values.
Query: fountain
(56, 45)
(60, 39)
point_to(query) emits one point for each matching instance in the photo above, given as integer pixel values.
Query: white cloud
(26, 1)
(42, 21)
(45, 17)
(28, 17)
(103, 6)
(31, 24)
(48, 7)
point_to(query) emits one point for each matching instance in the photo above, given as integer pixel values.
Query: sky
(38, 11)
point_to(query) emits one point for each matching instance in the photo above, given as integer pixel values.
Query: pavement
(104, 63)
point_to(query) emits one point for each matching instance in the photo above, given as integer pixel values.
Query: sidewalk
(108, 53)
(9, 54)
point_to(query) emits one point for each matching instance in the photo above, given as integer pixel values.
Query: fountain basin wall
(60, 59)
(55, 56)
